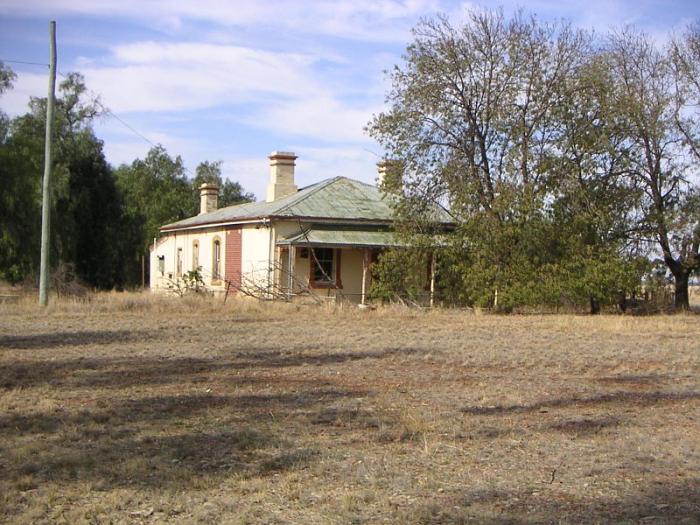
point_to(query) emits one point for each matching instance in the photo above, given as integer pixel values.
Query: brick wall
(232, 270)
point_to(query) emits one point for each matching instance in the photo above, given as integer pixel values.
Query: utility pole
(46, 196)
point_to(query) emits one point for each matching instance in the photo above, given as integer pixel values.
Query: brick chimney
(281, 175)
(208, 197)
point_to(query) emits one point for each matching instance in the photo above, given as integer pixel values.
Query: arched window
(195, 255)
(216, 261)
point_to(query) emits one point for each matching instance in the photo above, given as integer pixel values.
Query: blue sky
(235, 80)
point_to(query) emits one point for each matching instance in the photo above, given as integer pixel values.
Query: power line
(109, 112)
(104, 109)
(24, 62)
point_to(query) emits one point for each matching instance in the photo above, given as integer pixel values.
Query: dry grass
(127, 409)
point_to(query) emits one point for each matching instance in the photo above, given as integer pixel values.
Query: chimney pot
(208, 197)
(281, 175)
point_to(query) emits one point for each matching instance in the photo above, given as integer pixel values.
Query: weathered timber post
(46, 186)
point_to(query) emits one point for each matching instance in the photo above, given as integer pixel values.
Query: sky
(234, 80)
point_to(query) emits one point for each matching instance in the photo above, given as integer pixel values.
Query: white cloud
(122, 146)
(323, 118)
(14, 101)
(125, 151)
(370, 20)
(278, 92)
(150, 76)
(250, 172)
(318, 163)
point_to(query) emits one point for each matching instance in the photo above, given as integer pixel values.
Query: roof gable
(339, 198)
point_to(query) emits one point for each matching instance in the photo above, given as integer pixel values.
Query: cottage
(317, 240)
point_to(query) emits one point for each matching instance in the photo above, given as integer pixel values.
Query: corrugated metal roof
(338, 198)
(342, 238)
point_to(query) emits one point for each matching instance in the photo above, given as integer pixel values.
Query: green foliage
(7, 77)
(86, 211)
(190, 283)
(20, 224)
(399, 275)
(230, 192)
(92, 217)
(560, 171)
(19, 197)
(156, 191)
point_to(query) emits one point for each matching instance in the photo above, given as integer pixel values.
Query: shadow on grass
(673, 503)
(59, 339)
(585, 426)
(183, 461)
(278, 359)
(100, 372)
(178, 442)
(142, 413)
(629, 398)
(175, 441)
(124, 372)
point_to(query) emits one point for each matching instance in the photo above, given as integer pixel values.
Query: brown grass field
(131, 409)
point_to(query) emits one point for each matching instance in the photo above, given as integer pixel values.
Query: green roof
(339, 198)
(342, 238)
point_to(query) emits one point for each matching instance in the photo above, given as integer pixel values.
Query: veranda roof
(317, 237)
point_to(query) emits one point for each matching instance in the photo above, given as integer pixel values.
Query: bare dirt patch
(127, 409)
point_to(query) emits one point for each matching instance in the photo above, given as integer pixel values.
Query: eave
(271, 218)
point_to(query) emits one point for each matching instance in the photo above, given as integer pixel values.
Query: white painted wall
(255, 253)
(167, 247)
(351, 274)
(258, 246)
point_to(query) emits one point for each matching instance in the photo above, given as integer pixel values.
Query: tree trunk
(595, 306)
(680, 299)
(622, 302)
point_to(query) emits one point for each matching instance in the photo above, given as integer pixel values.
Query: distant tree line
(569, 161)
(103, 219)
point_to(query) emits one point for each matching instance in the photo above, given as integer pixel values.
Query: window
(216, 261)
(178, 264)
(195, 255)
(325, 268)
(161, 264)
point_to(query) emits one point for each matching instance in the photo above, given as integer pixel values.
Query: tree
(87, 218)
(685, 56)
(155, 191)
(485, 119)
(7, 77)
(230, 192)
(471, 111)
(19, 193)
(93, 208)
(650, 98)
(594, 208)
